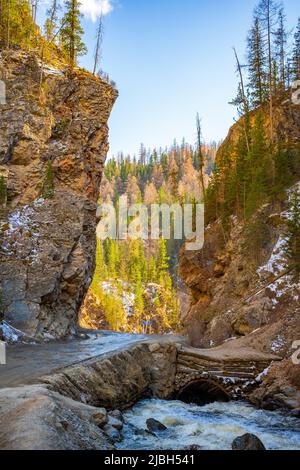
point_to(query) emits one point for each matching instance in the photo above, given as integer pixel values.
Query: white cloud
(92, 9)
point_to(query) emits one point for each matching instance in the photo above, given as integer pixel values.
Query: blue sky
(171, 59)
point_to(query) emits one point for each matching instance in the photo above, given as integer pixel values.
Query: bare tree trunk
(8, 25)
(200, 154)
(246, 107)
(98, 44)
(270, 70)
(72, 45)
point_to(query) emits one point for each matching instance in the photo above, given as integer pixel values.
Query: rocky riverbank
(70, 408)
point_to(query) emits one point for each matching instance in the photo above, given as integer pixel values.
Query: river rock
(115, 423)
(296, 413)
(117, 415)
(35, 418)
(154, 347)
(99, 417)
(193, 447)
(113, 434)
(248, 442)
(153, 425)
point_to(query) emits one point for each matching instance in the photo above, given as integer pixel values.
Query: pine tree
(16, 23)
(123, 262)
(242, 172)
(281, 44)
(48, 186)
(200, 155)
(163, 258)
(101, 268)
(257, 66)
(72, 32)
(114, 311)
(173, 176)
(152, 270)
(296, 54)
(150, 194)
(242, 101)
(266, 13)
(139, 302)
(292, 243)
(112, 253)
(260, 162)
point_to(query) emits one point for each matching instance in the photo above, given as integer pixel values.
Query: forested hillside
(261, 156)
(135, 283)
(245, 282)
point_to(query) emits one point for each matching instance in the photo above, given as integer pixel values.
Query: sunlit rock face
(57, 121)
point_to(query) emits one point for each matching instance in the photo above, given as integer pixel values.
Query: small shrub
(257, 236)
(48, 186)
(3, 191)
(292, 241)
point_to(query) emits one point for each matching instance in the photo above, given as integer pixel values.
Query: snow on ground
(277, 262)
(262, 375)
(286, 285)
(278, 344)
(10, 334)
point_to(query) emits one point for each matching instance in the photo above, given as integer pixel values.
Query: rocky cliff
(53, 145)
(241, 289)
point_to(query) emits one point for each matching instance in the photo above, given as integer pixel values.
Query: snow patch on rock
(20, 224)
(278, 344)
(49, 70)
(262, 375)
(11, 334)
(285, 286)
(277, 263)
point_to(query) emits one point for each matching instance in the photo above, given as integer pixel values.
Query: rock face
(248, 297)
(239, 284)
(55, 422)
(280, 388)
(238, 292)
(53, 131)
(247, 442)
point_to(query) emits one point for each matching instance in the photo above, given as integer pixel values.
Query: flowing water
(212, 427)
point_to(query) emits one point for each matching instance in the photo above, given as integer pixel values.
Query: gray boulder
(112, 433)
(248, 442)
(153, 425)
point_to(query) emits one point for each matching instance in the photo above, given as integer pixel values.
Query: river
(212, 427)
